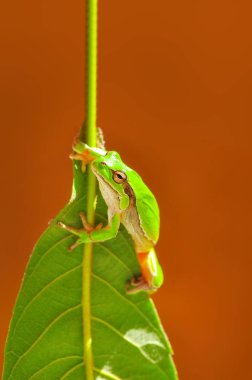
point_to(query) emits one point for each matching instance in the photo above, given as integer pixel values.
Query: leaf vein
(108, 375)
(126, 300)
(53, 362)
(70, 207)
(72, 370)
(55, 320)
(44, 254)
(109, 326)
(116, 257)
(56, 279)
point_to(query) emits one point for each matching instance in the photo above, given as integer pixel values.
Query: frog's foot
(84, 156)
(136, 284)
(80, 232)
(152, 274)
(87, 227)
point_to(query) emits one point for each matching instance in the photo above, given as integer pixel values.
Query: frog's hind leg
(152, 274)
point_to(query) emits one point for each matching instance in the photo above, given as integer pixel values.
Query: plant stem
(92, 9)
(91, 107)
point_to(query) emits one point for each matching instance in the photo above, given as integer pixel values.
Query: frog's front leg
(152, 275)
(84, 153)
(85, 157)
(89, 234)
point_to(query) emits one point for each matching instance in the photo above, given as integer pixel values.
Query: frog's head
(111, 173)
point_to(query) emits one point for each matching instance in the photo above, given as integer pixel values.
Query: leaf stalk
(91, 116)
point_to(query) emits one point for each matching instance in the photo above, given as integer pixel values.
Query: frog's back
(147, 207)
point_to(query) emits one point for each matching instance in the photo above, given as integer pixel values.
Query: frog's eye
(119, 177)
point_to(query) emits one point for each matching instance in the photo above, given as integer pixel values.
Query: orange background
(175, 83)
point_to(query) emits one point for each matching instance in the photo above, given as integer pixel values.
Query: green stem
(91, 108)
(92, 7)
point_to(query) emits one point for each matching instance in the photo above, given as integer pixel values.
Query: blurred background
(175, 84)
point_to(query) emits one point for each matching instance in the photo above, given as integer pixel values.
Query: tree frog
(129, 202)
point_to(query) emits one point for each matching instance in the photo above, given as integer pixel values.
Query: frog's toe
(136, 284)
(73, 230)
(74, 245)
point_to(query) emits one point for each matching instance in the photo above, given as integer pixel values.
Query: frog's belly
(131, 222)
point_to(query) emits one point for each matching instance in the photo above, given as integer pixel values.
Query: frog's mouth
(103, 181)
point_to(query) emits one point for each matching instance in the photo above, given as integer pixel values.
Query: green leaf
(45, 339)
